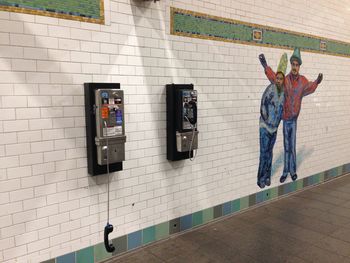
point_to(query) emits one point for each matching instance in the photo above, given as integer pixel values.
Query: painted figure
(296, 87)
(271, 110)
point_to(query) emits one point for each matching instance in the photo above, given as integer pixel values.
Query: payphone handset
(187, 134)
(110, 128)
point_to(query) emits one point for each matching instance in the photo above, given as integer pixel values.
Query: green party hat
(296, 55)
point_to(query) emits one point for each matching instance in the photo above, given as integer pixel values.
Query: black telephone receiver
(193, 107)
(108, 229)
(188, 110)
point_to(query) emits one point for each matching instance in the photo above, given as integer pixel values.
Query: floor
(309, 226)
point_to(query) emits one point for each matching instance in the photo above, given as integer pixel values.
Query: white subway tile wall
(50, 206)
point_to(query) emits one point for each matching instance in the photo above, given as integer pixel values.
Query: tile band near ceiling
(82, 10)
(198, 25)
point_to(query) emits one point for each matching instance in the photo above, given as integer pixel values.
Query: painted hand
(319, 78)
(262, 60)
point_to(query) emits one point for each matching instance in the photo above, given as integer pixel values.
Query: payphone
(104, 114)
(109, 125)
(182, 133)
(105, 135)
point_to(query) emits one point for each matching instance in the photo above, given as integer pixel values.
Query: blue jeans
(289, 142)
(267, 141)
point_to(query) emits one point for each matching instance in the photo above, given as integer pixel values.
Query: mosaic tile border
(199, 25)
(57, 14)
(164, 230)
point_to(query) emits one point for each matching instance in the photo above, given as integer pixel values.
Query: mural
(82, 10)
(198, 25)
(274, 108)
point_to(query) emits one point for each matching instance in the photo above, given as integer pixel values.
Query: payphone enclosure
(104, 115)
(182, 133)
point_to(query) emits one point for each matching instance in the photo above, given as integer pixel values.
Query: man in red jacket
(295, 88)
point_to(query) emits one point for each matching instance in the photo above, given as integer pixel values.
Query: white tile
(23, 194)
(28, 159)
(21, 40)
(27, 113)
(7, 114)
(38, 124)
(29, 136)
(16, 149)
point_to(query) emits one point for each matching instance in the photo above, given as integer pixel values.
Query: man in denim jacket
(271, 110)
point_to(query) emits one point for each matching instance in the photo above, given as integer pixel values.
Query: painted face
(279, 80)
(295, 67)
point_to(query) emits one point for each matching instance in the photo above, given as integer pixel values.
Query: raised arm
(310, 86)
(270, 74)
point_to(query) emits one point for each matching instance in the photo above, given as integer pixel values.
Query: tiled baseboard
(161, 231)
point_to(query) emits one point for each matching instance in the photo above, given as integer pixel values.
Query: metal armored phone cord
(108, 228)
(193, 127)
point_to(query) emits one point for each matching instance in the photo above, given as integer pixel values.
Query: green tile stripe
(82, 10)
(161, 231)
(199, 25)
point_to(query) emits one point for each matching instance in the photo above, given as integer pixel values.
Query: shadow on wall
(302, 155)
(158, 65)
(45, 85)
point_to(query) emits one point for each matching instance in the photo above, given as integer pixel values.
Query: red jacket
(295, 88)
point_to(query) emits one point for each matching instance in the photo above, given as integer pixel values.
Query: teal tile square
(346, 168)
(186, 222)
(322, 175)
(260, 197)
(236, 205)
(197, 218)
(149, 235)
(266, 195)
(208, 215)
(300, 184)
(120, 244)
(101, 253)
(69, 258)
(288, 188)
(293, 186)
(340, 170)
(162, 230)
(244, 202)
(316, 179)
(333, 172)
(273, 192)
(85, 255)
(227, 208)
(134, 240)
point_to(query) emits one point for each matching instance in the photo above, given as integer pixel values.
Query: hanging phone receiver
(109, 246)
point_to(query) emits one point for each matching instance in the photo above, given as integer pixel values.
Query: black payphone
(182, 133)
